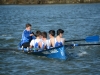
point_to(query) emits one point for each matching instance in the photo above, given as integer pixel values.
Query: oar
(81, 44)
(87, 39)
(8, 49)
(85, 44)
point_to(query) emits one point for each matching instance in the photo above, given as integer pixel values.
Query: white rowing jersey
(60, 43)
(46, 44)
(35, 43)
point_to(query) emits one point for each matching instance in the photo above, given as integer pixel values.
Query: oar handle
(75, 40)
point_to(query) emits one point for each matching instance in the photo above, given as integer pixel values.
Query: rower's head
(28, 27)
(60, 32)
(51, 33)
(44, 34)
(38, 34)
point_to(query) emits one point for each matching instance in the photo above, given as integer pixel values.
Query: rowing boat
(57, 52)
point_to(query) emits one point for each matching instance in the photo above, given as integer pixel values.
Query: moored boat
(57, 52)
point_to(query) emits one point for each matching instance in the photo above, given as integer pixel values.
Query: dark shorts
(26, 44)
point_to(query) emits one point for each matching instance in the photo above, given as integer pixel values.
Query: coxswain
(27, 36)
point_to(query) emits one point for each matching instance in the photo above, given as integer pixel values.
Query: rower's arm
(63, 41)
(31, 43)
(40, 44)
(27, 34)
(50, 44)
(31, 46)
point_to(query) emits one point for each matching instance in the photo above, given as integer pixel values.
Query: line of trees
(46, 1)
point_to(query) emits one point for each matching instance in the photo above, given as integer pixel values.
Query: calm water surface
(77, 20)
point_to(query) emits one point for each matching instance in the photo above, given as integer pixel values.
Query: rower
(45, 42)
(59, 41)
(27, 36)
(35, 43)
(52, 38)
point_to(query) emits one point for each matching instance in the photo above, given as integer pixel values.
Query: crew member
(27, 36)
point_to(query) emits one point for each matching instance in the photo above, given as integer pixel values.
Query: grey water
(77, 20)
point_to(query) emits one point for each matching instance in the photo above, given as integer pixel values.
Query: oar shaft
(80, 45)
(75, 40)
(85, 44)
(3, 49)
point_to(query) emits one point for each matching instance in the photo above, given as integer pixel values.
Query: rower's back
(59, 41)
(52, 38)
(45, 41)
(36, 43)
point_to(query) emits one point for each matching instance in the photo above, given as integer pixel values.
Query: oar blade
(92, 39)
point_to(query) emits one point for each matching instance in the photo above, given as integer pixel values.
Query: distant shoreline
(49, 4)
(43, 2)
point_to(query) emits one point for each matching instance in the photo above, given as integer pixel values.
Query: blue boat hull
(57, 52)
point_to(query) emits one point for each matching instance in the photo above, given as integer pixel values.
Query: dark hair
(44, 34)
(60, 31)
(52, 32)
(28, 25)
(38, 33)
